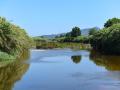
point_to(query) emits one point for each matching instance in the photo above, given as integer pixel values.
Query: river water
(62, 69)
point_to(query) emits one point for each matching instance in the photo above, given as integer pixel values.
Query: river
(62, 69)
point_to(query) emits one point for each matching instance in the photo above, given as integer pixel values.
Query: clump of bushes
(107, 40)
(47, 45)
(13, 39)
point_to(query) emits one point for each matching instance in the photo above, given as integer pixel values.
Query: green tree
(75, 32)
(112, 21)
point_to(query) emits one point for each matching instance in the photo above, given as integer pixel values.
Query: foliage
(93, 31)
(59, 39)
(111, 22)
(13, 39)
(78, 39)
(46, 45)
(6, 56)
(40, 39)
(75, 32)
(52, 45)
(68, 34)
(107, 40)
(82, 39)
(68, 39)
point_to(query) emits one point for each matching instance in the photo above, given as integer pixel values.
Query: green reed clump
(13, 39)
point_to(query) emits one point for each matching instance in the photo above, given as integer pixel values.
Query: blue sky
(40, 17)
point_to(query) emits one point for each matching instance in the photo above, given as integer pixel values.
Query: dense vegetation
(13, 39)
(107, 40)
(111, 22)
(74, 33)
(93, 31)
(73, 36)
(73, 40)
(52, 45)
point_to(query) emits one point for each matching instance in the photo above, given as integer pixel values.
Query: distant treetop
(75, 32)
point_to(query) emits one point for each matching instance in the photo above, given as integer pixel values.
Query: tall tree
(75, 32)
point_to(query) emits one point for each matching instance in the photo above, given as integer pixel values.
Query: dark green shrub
(107, 40)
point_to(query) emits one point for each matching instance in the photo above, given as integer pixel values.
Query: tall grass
(13, 40)
(52, 45)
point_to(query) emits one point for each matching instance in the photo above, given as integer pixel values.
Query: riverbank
(13, 40)
(53, 45)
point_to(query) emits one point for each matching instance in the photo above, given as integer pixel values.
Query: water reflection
(83, 76)
(76, 59)
(111, 63)
(12, 72)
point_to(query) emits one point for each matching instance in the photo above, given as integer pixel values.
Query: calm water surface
(63, 69)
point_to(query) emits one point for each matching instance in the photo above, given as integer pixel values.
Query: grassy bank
(52, 45)
(13, 40)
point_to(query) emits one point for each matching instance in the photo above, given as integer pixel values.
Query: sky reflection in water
(69, 70)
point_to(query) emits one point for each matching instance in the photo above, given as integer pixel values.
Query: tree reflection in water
(12, 72)
(111, 63)
(76, 59)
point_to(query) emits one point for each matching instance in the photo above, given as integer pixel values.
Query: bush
(107, 40)
(82, 39)
(13, 39)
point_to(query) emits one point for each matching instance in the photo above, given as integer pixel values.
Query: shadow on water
(111, 63)
(76, 59)
(13, 72)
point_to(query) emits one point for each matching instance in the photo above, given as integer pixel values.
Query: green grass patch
(5, 56)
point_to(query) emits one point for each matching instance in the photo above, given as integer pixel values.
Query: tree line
(105, 40)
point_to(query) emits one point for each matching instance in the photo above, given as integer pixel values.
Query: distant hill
(49, 36)
(52, 35)
(84, 32)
